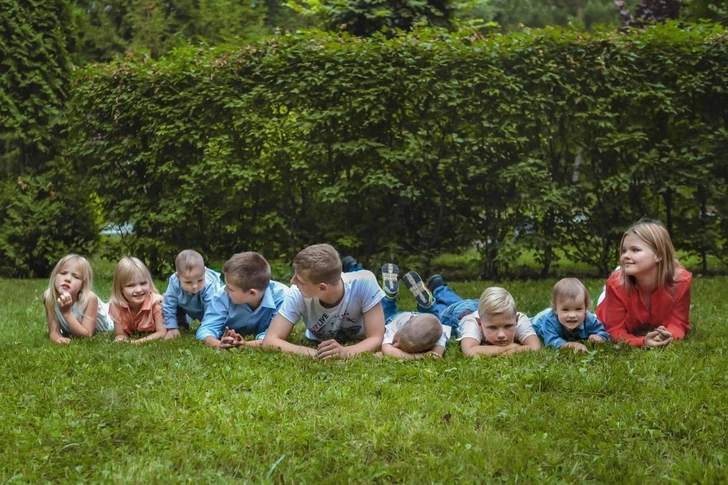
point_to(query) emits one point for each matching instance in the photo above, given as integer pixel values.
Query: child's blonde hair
(188, 260)
(321, 263)
(496, 301)
(51, 295)
(420, 333)
(654, 234)
(126, 269)
(570, 290)
(247, 270)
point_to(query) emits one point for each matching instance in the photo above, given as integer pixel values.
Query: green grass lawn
(177, 411)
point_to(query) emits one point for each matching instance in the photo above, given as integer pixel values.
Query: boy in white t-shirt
(409, 335)
(335, 307)
(497, 328)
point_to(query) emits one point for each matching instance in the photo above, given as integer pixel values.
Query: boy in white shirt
(496, 328)
(335, 307)
(409, 335)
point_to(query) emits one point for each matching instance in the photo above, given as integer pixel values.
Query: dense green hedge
(34, 75)
(412, 145)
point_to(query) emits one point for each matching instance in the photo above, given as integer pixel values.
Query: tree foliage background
(414, 145)
(296, 134)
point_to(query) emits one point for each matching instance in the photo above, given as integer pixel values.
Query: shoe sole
(390, 272)
(422, 295)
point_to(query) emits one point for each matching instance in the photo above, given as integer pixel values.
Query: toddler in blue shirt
(189, 292)
(568, 321)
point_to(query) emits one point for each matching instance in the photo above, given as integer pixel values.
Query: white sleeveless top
(103, 320)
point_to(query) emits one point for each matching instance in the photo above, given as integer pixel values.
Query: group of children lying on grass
(646, 302)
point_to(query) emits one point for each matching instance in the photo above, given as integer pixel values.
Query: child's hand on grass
(171, 333)
(515, 348)
(60, 339)
(331, 349)
(229, 339)
(657, 338)
(664, 333)
(575, 346)
(596, 339)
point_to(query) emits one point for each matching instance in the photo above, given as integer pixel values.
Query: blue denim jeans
(449, 307)
(451, 315)
(390, 309)
(444, 297)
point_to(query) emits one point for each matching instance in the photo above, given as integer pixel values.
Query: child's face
(498, 329)
(69, 280)
(637, 257)
(192, 281)
(136, 290)
(238, 295)
(571, 314)
(308, 289)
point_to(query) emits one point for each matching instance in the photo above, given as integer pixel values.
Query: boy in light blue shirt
(245, 306)
(189, 292)
(569, 322)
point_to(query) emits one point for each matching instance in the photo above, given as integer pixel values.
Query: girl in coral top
(647, 300)
(135, 305)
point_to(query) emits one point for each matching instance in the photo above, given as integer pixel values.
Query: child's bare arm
(119, 333)
(472, 348)
(392, 351)
(54, 329)
(532, 342)
(249, 343)
(87, 325)
(374, 331)
(277, 335)
(159, 331)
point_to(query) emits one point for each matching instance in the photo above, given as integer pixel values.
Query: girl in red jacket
(647, 301)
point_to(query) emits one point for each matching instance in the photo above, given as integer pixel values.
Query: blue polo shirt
(193, 305)
(547, 326)
(241, 318)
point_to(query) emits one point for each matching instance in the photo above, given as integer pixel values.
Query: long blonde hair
(126, 269)
(51, 295)
(654, 234)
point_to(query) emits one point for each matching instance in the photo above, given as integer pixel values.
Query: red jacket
(625, 314)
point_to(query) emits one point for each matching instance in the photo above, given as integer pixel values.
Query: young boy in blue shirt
(568, 321)
(189, 292)
(245, 306)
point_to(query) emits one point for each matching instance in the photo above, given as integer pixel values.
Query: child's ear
(253, 292)
(477, 319)
(323, 287)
